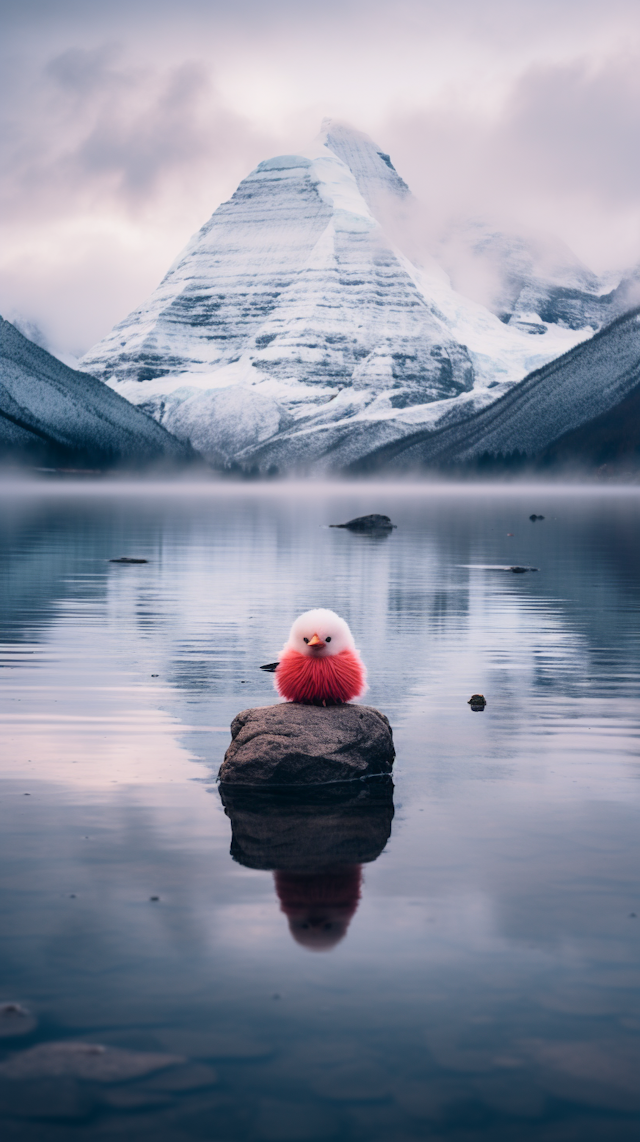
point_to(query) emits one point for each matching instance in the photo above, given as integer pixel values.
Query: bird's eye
(328, 638)
(305, 640)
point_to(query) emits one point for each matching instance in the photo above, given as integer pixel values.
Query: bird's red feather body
(333, 679)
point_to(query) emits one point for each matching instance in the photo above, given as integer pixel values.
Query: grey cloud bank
(125, 125)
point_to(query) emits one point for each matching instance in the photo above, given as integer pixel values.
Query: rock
(367, 523)
(535, 517)
(310, 829)
(517, 570)
(291, 744)
(15, 1020)
(125, 559)
(89, 1061)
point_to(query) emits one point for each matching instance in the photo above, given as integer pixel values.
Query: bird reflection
(315, 841)
(319, 906)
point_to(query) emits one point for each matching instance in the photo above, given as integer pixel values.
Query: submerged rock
(15, 1020)
(296, 745)
(309, 830)
(126, 559)
(373, 522)
(89, 1061)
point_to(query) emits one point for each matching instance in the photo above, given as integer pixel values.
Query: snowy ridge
(567, 393)
(523, 278)
(56, 413)
(292, 324)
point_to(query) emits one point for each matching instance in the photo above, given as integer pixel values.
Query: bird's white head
(319, 634)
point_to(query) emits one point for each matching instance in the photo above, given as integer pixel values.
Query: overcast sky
(124, 124)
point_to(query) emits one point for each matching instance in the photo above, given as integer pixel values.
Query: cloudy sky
(124, 124)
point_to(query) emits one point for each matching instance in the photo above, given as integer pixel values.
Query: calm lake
(468, 967)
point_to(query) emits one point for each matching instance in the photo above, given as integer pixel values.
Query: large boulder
(293, 744)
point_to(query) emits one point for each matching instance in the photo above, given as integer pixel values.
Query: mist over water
(455, 957)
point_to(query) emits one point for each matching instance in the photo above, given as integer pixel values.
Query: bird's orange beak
(315, 641)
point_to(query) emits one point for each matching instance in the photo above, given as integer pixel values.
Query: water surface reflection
(483, 983)
(315, 842)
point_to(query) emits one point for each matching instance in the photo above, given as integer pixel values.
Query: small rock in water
(516, 568)
(89, 1061)
(477, 702)
(372, 522)
(535, 517)
(15, 1020)
(126, 559)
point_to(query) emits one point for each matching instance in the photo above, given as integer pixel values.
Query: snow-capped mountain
(592, 379)
(295, 326)
(518, 275)
(51, 412)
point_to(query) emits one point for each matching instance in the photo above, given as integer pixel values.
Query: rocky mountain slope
(51, 413)
(578, 387)
(296, 329)
(611, 439)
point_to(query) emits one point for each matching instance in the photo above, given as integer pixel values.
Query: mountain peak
(295, 321)
(371, 167)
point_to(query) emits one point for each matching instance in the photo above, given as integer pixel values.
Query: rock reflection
(315, 842)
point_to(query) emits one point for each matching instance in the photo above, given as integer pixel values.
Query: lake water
(475, 974)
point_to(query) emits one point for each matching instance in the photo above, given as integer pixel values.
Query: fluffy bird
(319, 663)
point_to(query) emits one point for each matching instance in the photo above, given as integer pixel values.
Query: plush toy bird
(319, 663)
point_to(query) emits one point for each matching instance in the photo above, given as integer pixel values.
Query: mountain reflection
(315, 842)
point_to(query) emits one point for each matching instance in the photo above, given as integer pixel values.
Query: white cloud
(125, 125)
(557, 155)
